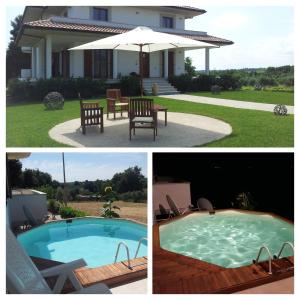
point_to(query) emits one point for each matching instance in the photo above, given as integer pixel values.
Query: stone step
(164, 87)
(167, 88)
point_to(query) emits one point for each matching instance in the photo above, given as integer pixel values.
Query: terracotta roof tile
(50, 24)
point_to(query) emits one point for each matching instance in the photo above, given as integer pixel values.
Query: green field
(28, 124)
(286, 98)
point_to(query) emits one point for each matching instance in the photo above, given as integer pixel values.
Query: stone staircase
(164, 87)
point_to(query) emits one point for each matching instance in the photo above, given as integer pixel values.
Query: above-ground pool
(93, 239)
(229, 238)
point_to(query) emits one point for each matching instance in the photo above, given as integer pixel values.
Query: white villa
(48, 31)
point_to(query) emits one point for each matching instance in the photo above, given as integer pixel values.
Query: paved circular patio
(183, 130)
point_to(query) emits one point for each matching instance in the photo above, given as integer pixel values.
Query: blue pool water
(94, 240)
(229, 239)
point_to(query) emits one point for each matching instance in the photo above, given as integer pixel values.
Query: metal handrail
(127, 251)
(139, 245)
(270, 257)
(282, 247)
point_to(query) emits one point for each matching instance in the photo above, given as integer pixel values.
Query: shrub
(54, 100)
(53, 206)
(130, 85)
(135, 196)
(49, 190)
(204, 82)
(229, 82)
(35, 91)
(267, 81)
(215, 89)
(182, 82)
(68, 212)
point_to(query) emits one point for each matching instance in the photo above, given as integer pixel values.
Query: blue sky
(85, 166)
(263, 35)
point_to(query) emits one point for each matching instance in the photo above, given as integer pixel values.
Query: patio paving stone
(183, 130)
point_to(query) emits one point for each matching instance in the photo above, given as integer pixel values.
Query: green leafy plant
(244, 200)
(68, 212)
(54, 206)
(108, 209)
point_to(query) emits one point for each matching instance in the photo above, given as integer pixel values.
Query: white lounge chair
(205, 204)
(23, 277)
(32, 221)
(173, 207)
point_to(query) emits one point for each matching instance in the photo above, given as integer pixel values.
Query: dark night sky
(269, 177)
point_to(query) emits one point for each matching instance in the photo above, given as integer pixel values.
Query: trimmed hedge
(68, 212)
(203, 82)
(23, 91)
(20, 91)
(129, 85)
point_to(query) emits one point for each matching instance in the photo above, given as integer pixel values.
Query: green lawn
(28, 124)
(286, 98)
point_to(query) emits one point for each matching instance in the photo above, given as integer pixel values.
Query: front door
(55, 64)
(146, 62)
(88, 63)
(171, 63)
(65, 55)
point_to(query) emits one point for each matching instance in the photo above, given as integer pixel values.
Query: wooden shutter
(88, 63)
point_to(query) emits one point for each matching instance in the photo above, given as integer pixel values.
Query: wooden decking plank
(177, 274)
(110, 274)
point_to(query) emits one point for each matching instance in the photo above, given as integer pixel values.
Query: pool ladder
(127, 251)
(255, 261)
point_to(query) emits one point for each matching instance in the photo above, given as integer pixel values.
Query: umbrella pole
(141, 70)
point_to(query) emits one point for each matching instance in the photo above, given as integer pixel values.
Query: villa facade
(48, 32)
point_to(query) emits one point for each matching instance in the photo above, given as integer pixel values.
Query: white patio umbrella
(144, 39)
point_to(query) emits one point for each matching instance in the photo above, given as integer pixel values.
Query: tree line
(130, 184)
(271, 76)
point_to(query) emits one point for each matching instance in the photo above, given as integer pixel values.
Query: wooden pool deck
(112, 275)
(177, 274)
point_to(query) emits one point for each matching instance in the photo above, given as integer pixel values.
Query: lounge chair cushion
(121, 104)
(143, 119)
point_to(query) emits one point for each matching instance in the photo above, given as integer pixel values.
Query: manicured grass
(286, 98)
(28, 124)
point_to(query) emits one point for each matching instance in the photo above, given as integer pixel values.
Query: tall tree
(188, 66)
(15, 173)
(15, 58)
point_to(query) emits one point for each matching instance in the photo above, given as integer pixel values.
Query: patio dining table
(158, 108)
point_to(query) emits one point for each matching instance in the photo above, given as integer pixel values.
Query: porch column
(48, 56)
(207, 61)
(39, 72)
(166, 60)
(115, 64)
(33, 62)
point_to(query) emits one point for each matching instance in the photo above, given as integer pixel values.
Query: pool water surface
(93, 239)
(229, 239)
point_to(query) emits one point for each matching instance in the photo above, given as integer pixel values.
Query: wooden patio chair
(142, 115)
(91, 114)
(115, 102)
